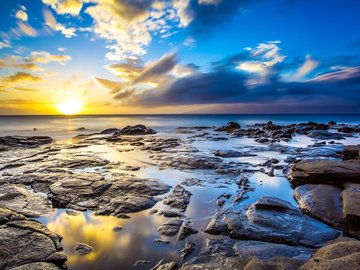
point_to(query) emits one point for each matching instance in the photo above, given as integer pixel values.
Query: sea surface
(62, 127)
(121, 250)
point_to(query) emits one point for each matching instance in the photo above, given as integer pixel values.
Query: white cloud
(21, 15)
(72, 7)
(189, 42)
(209, 2)
(51, 22)
(308, 66)
(26, 29)
(5, 44)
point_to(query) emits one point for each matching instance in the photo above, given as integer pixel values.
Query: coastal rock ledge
(27, 244)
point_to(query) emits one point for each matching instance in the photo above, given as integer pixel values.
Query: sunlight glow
(70, 106)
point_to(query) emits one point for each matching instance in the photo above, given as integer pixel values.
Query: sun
(70, 106)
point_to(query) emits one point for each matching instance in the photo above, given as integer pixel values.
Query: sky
(179, 56)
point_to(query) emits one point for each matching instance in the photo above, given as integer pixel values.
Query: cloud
(5, 44)
(26, 29)
(26, 89)
(45, 58)
(21, 14)
(308, 66)
(189, 42)
(72, 7)
(51, 22)
(157, 68)
(20, 77)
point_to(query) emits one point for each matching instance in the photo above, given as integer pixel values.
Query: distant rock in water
(81, 129)
(83, 249)
(109, 131)
(135, 130)
(231, 126)
(22, 141)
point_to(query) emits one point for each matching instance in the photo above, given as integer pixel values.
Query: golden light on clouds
(69, 107)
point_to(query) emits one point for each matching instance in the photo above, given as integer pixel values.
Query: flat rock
(24, 242)
(231, 154)
(22, 200)
(273, 220)
(322, 202)
(231, 126)
(170, 228)
(165, 266)
(325, 172)
(341, 254)
(264, 250)
(179, 198)
(351, 203)
(37, 266)
(22, 141)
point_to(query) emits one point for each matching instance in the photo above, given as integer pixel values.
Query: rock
(351, 202)
(24, 201)
(21, 141)
(24, 242)
(170, 213)
(162, 241)
(273, 220)
(165, 266)
(117, 228)
(265, 251)
(187, 250)
(220, 202)
(231, 126)
(194, 162)
(170, 228)
(121, 205)
(135, 130)
(179, 198)
(37, 266)
(351, 152)
(141, 262)
(82, 249)
(325, 135)
(193, 182)
(82, 163)
(341, 254)
(231, 154)
(186, 230)
(80, 129)
(109, 131)
(325, 172)
(71, 212)
(322, 202)
(348, 129)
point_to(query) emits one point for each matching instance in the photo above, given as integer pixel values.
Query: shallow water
(120, 250)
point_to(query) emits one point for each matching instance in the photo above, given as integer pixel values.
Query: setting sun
(70, 106)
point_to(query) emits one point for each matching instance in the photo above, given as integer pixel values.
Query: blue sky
(180, 56)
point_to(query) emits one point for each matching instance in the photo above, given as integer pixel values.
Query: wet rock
(348, 129)
(109, 131)
(351, 152)
(82, 249)
(264, 250)
(220, 202)
(273, 220)
(121, 205)
(21, 141)
(351, 202)
(341, 254)
(325, 135)
(193, 182)
(231, 126)
(325, 171)
(195, 162)
(141, 262)
(24, 242)
(162, 144)
(170, 228)
(71, 212)
(117, 228)
(186, 230)
(162, 241)
(187, 250)
(322, 202)
(22, 200)
(179, 198)
(231, 154)
(165, 266)
(171, 213)
(135, 130)
(81, 163)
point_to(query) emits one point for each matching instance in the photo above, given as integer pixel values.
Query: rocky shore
(39, 175)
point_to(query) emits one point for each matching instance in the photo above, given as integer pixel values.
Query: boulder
(351, 152)
(325, 172)
(22, 141)
(341, 254)
(231, 126)
(322, 202)
(135, 130)
(170, 228)
(82, 249)
(273, 220)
